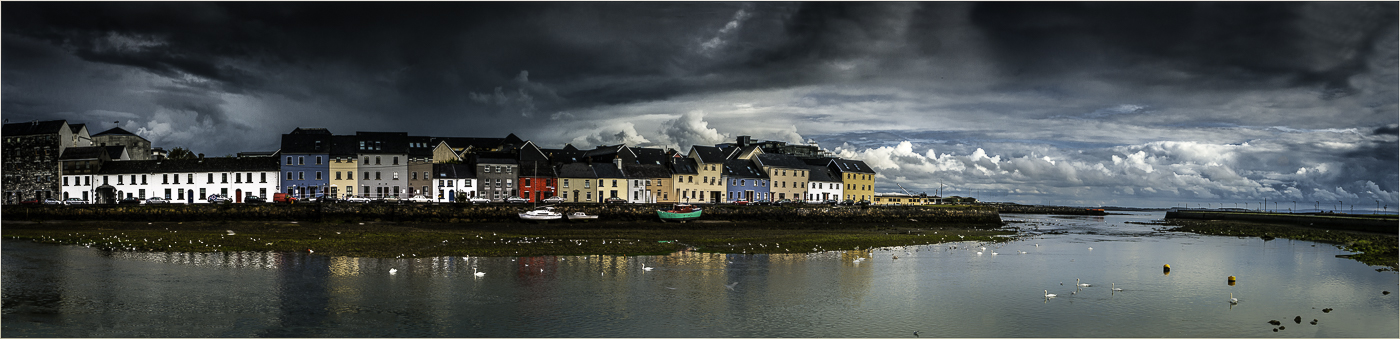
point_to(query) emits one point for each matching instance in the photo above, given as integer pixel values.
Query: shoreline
(1376, 249)
(496, 239)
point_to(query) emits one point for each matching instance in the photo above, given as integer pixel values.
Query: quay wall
(975, 215)
(1028, 209)
(1385, 224)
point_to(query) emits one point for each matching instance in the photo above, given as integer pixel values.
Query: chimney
(744, 141)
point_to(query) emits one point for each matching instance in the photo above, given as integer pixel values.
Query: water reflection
(941, 290)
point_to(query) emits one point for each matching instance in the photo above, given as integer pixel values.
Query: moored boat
(580, 216)
(541, 214)
(681, 212)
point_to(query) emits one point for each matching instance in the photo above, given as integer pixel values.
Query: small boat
(681, 212)
(541, 214)
(580, 216)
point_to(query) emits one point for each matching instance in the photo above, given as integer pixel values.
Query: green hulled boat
(681, 212)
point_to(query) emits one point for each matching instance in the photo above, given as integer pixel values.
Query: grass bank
(392, 240)
(1376, 249)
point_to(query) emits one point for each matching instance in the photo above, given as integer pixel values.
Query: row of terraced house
(54, 159)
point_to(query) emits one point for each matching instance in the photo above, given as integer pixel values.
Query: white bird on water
(645, 268)
(731, 286)
(1114, 286)
(393, 271)
(1076, 282)
(1048, 295)
(1233, 300)
(476, 273)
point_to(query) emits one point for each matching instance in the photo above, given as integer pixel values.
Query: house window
(164, 179)
(376, 160)
(262, 192)
(143, 179)
(366, 175)
(467, 183)
(414, 176)
(87, 180)
(366, 158)
(614, 183)
(566, 183)
(396, 162)
(377, 176)
(289, 160)
(396, 175)
(509, 182)
(65, 181)
(301, 175)
(262, 178)
(349, 175)
(238, 178)
(119, 180)
(211, 178)
(337, 175)
(318, 158)
(586, 183)
(525, 182)
(318, 175)
(289, 176)
(301, 160)
(425, 175)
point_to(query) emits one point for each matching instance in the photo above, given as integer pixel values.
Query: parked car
(358, 200)
(516, 200)
(614, 201)
(479, 200)
(52, 201)
(418, 199)
(131, 201)
(786, 202)
(217, 199)
(388, 200)
(253, 199)
(75, 201)
(847, 202)
(832, 202)
(34, 201)
(553, 200)
(863, 203)
(157, 200)
(326, 199)
(283, 198)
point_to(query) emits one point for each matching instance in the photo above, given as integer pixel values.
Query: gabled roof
(117, 152)
(311, 130)
(850, 166)
(536, 169)
(708, 154)
(739, 168)
(75, 128)
(607, 170)
(684, 166)
(654, 156)
(33, 128)
(643, 171)
(116, 131)
(419, 146)
(530, 152)
(453, 171)
(380, 143)
(576, 170)
(736, 152)
(780, 161)
(569, 148)
(258, 164)
(821, 174)
(563, 156)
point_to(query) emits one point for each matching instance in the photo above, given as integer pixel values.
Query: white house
(453, 182)
(822, 185)
(181, 181)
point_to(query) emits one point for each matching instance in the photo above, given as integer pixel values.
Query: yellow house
(343, 167)
(709, 162)
(656, 179)
(686, 183)
(857, 177)
(576, 183)
(787, 175)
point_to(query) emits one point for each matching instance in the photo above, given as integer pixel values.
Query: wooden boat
(541, 214)
(681, 212)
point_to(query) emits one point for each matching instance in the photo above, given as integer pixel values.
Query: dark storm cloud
(1037, 97)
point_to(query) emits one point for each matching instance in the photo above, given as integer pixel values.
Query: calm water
(69, 291)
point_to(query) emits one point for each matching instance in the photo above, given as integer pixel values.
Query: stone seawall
(1027, 209)
(1384, 224)
(976, 215)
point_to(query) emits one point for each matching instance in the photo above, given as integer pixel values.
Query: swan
(1076, 282)
(645, 268)
(393, 271)
(1048, 295)
(1233, 300)
(994, 252)
(979, 253)
(476, 273)
(1114, 286)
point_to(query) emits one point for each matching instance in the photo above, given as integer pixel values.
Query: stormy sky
(1125, 104)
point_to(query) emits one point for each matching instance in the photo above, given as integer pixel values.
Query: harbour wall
(1028, 209)
(1368, 223)
(461, 213)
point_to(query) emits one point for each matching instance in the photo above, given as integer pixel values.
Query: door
(238, 195)
(575, 195)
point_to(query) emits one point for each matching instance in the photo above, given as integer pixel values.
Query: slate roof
(566, 155)
(453, 171)
(84, 153)
(739, 168)
(420, 152)
(388, 142)
(32, 128)
(536, 169)
(654, 156)
(258, 164)
(76, 127)
(708, 154)
(733, 153)
(781, 161)
(496, 158)
(607, 170)
(576, 170)
(684, 166)
(344, 146)
(851, 166)
(115, 131)
(304, 140)
(645, 171)
(822, 174)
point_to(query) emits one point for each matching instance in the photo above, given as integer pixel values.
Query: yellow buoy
(1232, 280)
(1166, 269)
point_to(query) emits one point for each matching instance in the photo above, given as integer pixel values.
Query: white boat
(580, 216)
(541, 214)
